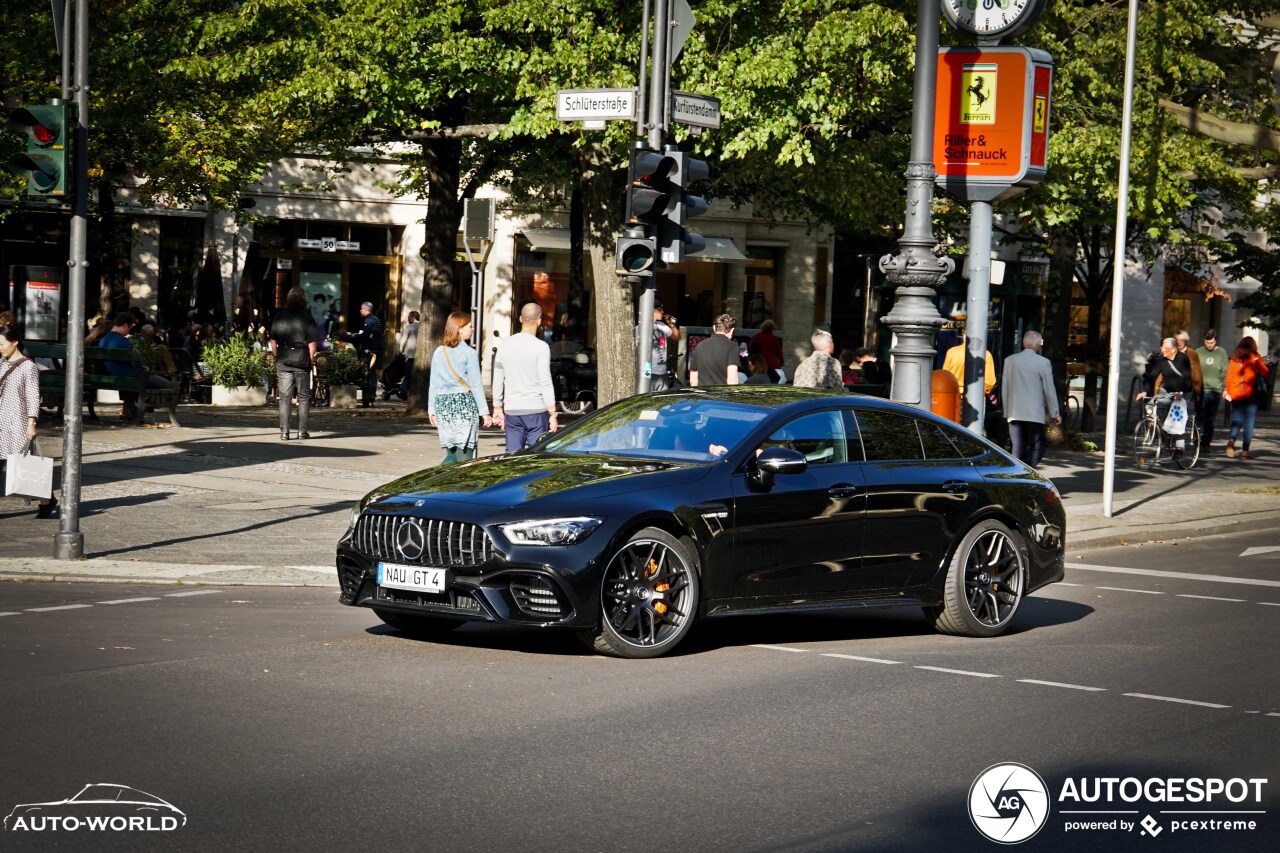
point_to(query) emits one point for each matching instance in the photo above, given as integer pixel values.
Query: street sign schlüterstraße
(596, 104)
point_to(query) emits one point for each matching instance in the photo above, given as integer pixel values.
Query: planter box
(245, 395)
(343, 396)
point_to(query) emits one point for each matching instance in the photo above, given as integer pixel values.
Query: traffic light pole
(916, 272)
(659, 72)
(68, 542)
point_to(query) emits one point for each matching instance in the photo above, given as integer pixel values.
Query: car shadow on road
(740, 631)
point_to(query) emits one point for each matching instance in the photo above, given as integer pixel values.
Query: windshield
(679, 428)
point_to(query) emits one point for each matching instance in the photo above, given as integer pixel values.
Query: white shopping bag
(1175, 423)
(28, 475)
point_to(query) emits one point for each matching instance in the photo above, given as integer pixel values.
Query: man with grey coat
(1029, 399)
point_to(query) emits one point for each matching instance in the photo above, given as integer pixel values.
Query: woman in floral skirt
(455, 400)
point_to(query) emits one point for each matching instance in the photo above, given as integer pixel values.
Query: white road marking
(1208, 597)
(10, 614)
(1272, 714)
(960, 672)
(1065, 583)
(779, 648)
(193, 592)
(63, 607)
(1126, 589)
(1059, 684)
(1155, 573)
(130, 600)
(1261, 549)
(1179, 701)
(858, 657)
(1270, 603)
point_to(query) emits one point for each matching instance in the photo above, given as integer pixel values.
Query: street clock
(991, 20)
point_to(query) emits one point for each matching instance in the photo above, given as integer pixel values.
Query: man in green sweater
(1213, 371)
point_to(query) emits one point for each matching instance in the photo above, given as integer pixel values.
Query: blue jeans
(524, 430)
(1242, 414)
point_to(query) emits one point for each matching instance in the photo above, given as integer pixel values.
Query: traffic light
(636, 254)
(45, 161)
(675, 240)
(650, 191)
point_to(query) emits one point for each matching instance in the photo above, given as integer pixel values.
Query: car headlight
(356, 509)
(550, 531)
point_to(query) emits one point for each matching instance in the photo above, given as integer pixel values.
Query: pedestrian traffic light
(675, 240)
(45, 161)
(636, 254)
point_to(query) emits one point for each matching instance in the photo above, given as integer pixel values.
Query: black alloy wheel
(985, 582)
(648, 597)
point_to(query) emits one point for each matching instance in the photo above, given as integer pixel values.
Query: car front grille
(434, 543)
(537, 598)
(350, 576)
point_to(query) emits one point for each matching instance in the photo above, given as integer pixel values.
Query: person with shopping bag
(19, 409)
(1169, 380)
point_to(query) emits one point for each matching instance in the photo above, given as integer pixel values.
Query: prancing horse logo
(411, 540)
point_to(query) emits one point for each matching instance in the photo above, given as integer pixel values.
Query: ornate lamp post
(916, 272)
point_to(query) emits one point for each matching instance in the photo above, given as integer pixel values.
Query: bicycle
(1151, 441)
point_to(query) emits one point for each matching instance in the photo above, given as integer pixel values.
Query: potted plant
(340, 369)
(236, 369)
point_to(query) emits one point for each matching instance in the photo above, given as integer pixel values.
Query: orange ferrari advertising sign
(991, 124)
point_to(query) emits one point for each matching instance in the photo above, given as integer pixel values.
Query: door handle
(842, 490)
(955, 487)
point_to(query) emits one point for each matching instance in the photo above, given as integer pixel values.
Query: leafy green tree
(1193, 60)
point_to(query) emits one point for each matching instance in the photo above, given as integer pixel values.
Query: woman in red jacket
(1246, 379)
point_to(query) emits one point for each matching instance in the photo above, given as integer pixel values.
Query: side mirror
(774, 461)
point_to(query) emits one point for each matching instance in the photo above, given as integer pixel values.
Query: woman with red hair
(1246, 381)
(455, 398)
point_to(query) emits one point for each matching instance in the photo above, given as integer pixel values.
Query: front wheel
(1146, 443)
(648, 597)
(985, 582)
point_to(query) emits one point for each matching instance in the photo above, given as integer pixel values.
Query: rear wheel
(1190, 454)
(417, 625)
(1146, 443)
(985, 582)
(574, 407)
(648, 597)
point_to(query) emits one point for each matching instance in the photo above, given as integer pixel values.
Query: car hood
(507, 481)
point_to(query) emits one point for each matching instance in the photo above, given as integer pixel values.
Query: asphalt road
(276, 719)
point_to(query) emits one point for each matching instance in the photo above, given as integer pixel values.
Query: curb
(1114, 537)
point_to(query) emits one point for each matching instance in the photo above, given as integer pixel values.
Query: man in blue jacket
(118, 338)
(368, 341)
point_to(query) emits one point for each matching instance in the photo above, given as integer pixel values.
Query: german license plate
(416, 578)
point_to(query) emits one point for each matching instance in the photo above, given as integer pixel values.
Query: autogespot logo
(1008, 803)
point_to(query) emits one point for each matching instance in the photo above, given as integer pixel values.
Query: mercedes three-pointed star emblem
(411, 540)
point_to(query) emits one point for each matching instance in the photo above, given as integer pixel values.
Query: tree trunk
(1057, 315)
(443, 158)
(603, 194)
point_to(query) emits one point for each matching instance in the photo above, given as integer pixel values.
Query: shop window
(759, 300)
(543, 278)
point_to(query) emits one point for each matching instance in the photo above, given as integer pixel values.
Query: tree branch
(1223, 130)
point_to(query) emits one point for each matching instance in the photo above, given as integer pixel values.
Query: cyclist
(1168, 378)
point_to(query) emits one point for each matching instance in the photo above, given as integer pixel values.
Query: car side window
(966, 445)
(888, 437)
(820, 436)
(937, 446)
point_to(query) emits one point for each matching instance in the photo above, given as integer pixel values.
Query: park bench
(53, 381)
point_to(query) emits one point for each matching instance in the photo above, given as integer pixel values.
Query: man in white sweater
(524, 400)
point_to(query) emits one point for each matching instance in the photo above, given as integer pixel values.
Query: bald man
(524, 399)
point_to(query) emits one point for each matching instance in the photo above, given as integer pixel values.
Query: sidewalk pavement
(221, 500)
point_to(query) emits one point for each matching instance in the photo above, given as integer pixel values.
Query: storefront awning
(719, 249)
(547, 239)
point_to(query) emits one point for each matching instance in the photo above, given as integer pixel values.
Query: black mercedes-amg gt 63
(666, 508)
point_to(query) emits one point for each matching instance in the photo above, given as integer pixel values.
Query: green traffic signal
(45, 162)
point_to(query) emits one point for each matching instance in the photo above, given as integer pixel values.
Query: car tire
(416, 625)
(985, 582)
(648, 596)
